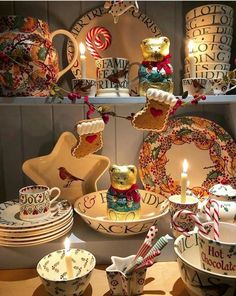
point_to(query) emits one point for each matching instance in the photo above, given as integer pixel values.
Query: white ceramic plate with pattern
(35, 242)
(34, 233)
(10, 215)
(36, 228)
(37, 237)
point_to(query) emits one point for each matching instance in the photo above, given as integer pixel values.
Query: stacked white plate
(210, 28)
(15, 232)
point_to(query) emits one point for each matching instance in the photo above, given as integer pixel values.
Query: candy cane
(192, 216)
(94, 36)
(213, 212)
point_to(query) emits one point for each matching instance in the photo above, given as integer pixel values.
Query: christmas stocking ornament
(89, 137)
(154, 115)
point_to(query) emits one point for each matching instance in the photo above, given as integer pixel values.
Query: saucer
(10, 215)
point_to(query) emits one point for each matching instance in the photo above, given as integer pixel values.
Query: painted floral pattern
(28, 61)
(206, 135)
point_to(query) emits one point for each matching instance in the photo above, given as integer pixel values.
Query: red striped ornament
(98, 38)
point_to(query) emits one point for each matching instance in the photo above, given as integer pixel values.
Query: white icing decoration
(161, 96)
(90, 127)
(223, 190)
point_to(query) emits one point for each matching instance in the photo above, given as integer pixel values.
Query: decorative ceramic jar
(29, 63)
(225, 196)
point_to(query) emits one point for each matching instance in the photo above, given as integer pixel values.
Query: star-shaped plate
(61, 169)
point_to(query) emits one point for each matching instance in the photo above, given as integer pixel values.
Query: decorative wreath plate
(208, 148)
(135, 26)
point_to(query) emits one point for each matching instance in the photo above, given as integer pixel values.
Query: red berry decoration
(105, 118)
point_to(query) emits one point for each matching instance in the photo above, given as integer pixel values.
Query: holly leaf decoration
(148, 180)
(42, 53)
(154, 138)
(183, 132)
(8, 77)
(18, 23)
(223, 137)
(186, 121)
(185, 95)
(213, 175)
(155, 152)
(217, 149)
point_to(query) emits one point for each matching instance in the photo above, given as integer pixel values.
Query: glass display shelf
(221, 99)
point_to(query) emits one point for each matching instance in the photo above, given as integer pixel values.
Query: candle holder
(52, 270)
(84, 87)
(175, 204)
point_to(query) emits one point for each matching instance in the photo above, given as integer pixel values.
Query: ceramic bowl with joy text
(92, 208)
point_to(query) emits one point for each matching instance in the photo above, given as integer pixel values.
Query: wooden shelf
(162, 279)
(226, 99)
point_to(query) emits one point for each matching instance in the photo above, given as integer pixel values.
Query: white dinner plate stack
(210, 29)
(15, 232)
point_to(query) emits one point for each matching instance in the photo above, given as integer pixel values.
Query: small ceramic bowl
(92, 208)
(52, 272)
(200, 282)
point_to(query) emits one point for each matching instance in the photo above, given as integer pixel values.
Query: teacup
(175, 205)
(220, 86)
(210, 74)
(112, 77)
(214, 38)
(210, 30)
(218, 256)
(35, 201)
(208, 66)
(84, 87)
(196, 86)
(209, 9)
(209, 20)
(206, 47)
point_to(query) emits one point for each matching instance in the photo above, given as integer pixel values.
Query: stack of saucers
(210, 28)
(15, 232)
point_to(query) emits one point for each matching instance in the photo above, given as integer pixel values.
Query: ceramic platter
(46, 169)
(208, 148)
(134, 27)
(15, 232)
(93, 210)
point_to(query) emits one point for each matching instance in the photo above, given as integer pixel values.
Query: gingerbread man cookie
(90, 137)
(154, 115)
(117, 8)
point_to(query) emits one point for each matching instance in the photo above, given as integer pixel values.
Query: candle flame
(82, 48)
(185, 166)
(190, 46)
(67, 244)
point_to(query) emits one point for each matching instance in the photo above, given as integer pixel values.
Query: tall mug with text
(112, 77)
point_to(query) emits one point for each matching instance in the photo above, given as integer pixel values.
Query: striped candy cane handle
(97, 38)
(192, 216)
(213, 212)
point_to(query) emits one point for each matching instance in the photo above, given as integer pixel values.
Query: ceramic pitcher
(29, 64)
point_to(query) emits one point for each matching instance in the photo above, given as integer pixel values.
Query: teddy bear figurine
(155, 71)
(123, 197)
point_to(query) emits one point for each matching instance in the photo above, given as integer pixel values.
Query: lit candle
(184, 180)
(82, 60)
(191, 59)
(68, 259)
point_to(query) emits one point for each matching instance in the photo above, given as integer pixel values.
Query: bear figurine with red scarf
(155, 70)
(123, 197)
